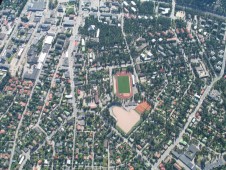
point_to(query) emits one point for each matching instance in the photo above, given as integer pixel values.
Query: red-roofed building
(161, 165)
(182, 30)
(2, 131)
(23, 104)
(174, 39)
(150, 34)
(164, 33)
(187, 30)
(131, 168)
(158, 34)
(19, 117)
(190, 36)
(78, 92)
(177, 166)
(12, 85)
(171, 32)
(19, 86)
(50, 96)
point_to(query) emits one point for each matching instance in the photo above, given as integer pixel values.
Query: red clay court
(142, 107)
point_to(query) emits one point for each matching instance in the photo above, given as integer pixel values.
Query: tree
(146, 7)
(4, 81)
(52, 5)
(70, 11)
(24, 18)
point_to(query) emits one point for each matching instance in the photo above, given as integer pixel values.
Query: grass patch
(70, 11)
(10, 59)
(123, 84)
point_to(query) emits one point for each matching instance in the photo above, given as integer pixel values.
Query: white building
(42, 57)
(133, 3)
(83, 42)
(133, 9)
(98, 33)
(21, 160)
(181, 15)
(68, 96)
(133, 79)
(125, 3)
(39, 66)
(20, 52)
(48, 40)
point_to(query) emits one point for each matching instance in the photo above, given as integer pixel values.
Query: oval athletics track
(123, 95)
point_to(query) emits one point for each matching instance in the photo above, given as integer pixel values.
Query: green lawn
(123, 84)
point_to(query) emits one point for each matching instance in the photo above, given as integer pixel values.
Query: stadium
(123, 85)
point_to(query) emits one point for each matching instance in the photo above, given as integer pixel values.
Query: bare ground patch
(125, 119)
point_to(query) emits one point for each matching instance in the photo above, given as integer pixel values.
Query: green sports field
(123, 84)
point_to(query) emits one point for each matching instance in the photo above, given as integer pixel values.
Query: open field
(125, 119)
(123, 84)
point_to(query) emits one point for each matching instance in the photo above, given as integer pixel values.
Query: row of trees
(146, 8)
(109, 35)
(206, 5)
(143, 25)
(53, 4)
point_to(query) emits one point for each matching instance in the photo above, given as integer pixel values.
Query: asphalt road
(25, 109)
(21, 61)
(78, 23)
(172, 15)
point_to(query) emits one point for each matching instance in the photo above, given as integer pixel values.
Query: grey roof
(190, 155)
(46, 48)
(193, 148)
(66, 44)
(161, 48)
(6, 11)
(170, 52)
(31, 76)
(4, 66)
(215, 95)
(45, 26)
(186, 161)
(105, 143)
(32, 50)
(9, 52)
(2, 36)
(78, 65)
(163, 54)
(176, 154)
(215, 164)
(60, 8)
(81, 122)
(38, 5)
(60, 41)
(82, 116)
(65, 63)
(37, 19)
(49, 21)
(66, 74)
(106, 15)
(68, 23)
(33, 59)
(77, 83)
